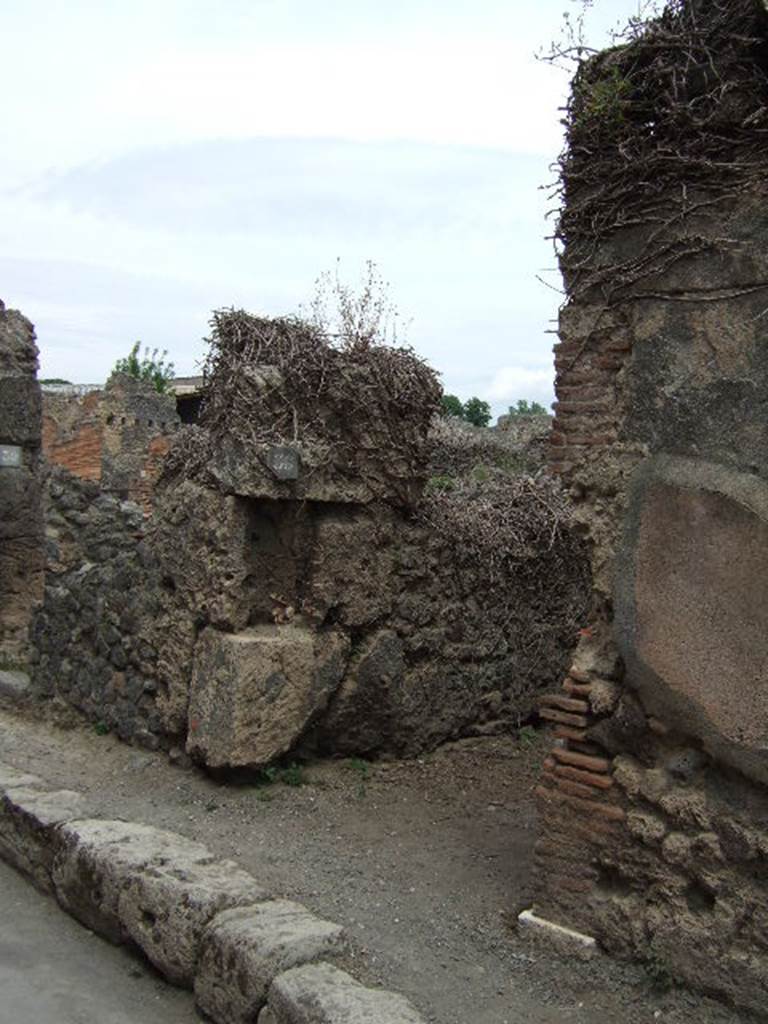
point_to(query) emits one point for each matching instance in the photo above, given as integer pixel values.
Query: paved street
(53, 971)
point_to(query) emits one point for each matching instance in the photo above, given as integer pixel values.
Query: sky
(165, 158)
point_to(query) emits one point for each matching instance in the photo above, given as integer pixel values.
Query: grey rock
(244, 949)
(28, 819)
(156, 888)
(322, 994)
(166, 908)
(253, 693)
(14, 684)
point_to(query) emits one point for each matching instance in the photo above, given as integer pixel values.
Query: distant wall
(118, 435)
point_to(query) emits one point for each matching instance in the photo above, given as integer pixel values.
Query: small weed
(101, 728)
(263, 796)
(481, 473)
(660, 974)
(527, 736)
(292, 775)
(363, 771)
(440, 483)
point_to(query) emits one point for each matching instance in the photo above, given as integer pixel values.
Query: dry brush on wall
(290, 616)
(353, 408)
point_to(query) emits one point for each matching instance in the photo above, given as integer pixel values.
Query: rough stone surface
(29, 815)
(130, 881)
(14, 684)
(167, 906)
(661, 436)
(254, 693)
(245, 948)
(692, 603)
(322, 994)
(21, 529)
(94, 635)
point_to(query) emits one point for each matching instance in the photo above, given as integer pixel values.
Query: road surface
(53, 971)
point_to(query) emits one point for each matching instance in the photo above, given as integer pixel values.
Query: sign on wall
(284, 462)
(10, 456)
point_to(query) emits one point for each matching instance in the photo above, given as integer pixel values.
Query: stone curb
(204, 923)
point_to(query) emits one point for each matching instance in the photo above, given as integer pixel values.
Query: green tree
(453, 406)
(151, 367)
(477, 412)
(526, 408)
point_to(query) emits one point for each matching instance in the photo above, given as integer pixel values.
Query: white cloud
(513, 382)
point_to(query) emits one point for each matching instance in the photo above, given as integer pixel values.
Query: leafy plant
(151, 367)
(101, 728)
(440, 483)
(452, 406)
(290, 775)
(527, 736)
(525, 408)
(363, 770)
(660, 974)
(477, 412)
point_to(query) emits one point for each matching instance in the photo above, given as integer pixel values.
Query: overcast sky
(162, 158)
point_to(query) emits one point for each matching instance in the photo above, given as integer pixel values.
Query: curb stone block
(165, 910)
(29, 816)
(322, 994)
(244, 949)
(129, 881)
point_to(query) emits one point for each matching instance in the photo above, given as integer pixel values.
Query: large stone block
(322, 994)
(128, 881)
(246, 948)
(29, 816)
(692, 604)
(254, 693)
(370, 699)
(166, 908)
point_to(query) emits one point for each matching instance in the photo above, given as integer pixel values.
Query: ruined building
(654, 835)
(305, 575)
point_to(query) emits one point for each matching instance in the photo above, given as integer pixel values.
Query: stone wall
(118, 435)
(654, 803)
(361, 625)
(21, 546)
(91, 637)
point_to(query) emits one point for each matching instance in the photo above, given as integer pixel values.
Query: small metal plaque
(10, 456)
(284, 462)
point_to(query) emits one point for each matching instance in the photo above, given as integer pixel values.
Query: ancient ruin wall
(258, 613)
(118, 436)
(21, 548)
(654, 801)
(135, 610)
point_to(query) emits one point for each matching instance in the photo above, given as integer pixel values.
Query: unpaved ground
(424, 862)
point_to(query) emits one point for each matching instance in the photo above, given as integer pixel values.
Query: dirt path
(424, 862)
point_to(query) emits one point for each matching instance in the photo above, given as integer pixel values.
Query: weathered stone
(254, 693)
(365, 708)
(14, 684)
(692, 606)
(322, 994)
(244, 949)
(130, 881)
(166, 907)
(29, 815)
